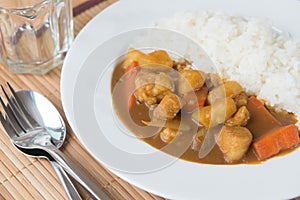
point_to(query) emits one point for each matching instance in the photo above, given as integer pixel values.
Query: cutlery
(65, 180)
(67, 184)
(24, 112)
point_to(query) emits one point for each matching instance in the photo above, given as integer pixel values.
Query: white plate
(275, 179)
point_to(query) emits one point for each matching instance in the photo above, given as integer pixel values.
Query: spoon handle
(78, 174)
(66, 182)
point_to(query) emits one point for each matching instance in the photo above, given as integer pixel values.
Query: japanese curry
(168, 103)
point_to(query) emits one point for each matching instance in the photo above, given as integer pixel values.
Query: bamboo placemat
(22, 177)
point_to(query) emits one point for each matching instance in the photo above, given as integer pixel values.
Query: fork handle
(78, 174)
(65, 181)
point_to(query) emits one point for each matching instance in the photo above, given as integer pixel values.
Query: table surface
(78, 2)
(23, 177)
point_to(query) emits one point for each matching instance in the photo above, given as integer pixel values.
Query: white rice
(264, 61)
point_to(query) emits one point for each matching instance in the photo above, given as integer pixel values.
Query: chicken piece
(213, 80)
(240, 118)
(190, 80)
(198, 139)
(152, 87)
(168, 107)
(234, 142)
(168, 134)
(241, 99)
(181, 65)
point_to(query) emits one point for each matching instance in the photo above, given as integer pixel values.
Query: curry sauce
(258, 124)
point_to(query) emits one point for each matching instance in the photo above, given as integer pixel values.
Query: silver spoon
(67, 184)
(45, 138)
(63, 177)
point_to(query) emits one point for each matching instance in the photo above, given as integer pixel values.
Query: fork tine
(17, 113)
(22, 107)
(9, 115)
(7, 126)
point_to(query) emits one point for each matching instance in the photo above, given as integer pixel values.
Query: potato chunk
(234, 142)
(132, 56)
(240, 118)
(160, 57)
(157, 60)
(190, 80)
(168, 107)
(218, 113)
(228, 89)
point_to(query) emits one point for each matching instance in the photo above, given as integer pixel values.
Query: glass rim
(25, 7)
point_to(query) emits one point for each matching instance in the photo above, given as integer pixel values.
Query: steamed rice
(264, 61)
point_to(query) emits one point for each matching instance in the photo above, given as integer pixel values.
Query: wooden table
(22, 177)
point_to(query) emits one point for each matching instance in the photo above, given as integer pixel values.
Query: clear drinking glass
(34, 34)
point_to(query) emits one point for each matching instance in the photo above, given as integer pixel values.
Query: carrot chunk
(260, 115)
(255, 104)
(276, 140)
(134, 66)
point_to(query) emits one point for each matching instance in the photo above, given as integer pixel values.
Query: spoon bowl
(45, 114)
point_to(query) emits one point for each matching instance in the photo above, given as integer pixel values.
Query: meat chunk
(151, 87)
(240, 118)
(241, 99)
(190, 80)
(181, 65)
(168, 107)
(234, 142)
(168, 134)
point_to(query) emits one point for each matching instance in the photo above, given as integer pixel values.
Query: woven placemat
(22, 177)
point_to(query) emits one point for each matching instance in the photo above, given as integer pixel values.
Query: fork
(30, 135)
(67, 184)
(61, 174)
